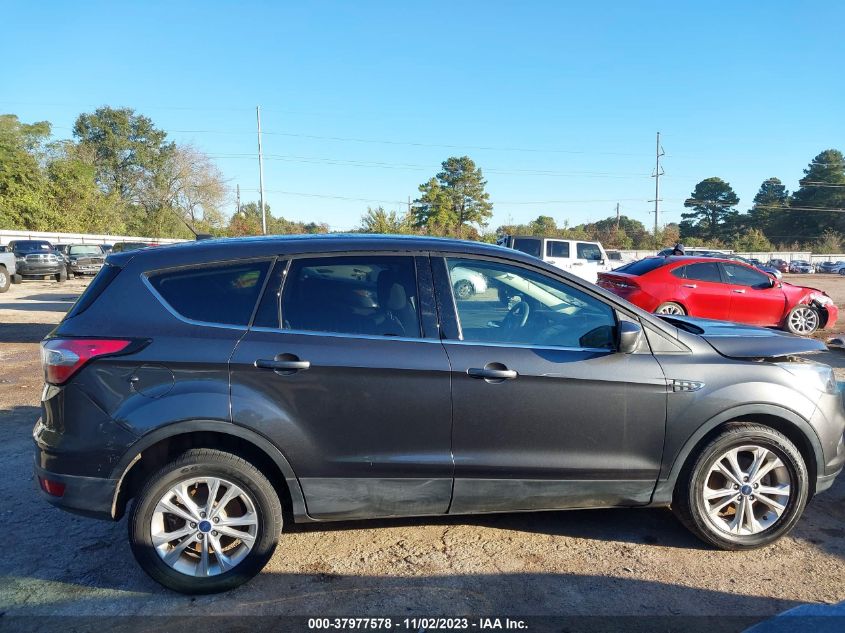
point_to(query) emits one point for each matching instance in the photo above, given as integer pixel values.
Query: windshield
(33, 247)
(85, 250)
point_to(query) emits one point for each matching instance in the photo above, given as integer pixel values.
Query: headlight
(812, 375)
(822, 300)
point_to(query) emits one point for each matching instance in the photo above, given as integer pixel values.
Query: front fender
(665, 486)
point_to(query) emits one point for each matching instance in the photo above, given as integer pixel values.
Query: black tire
(842, 271)
(16, 279)
(206, 463)
(5, 279)
(670, 307)
(802, 320)
(61, 276)
(463, 289)
(688, 503)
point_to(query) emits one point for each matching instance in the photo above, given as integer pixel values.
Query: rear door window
(364, 295)
(699, 272)
(642, 266)
(224, 294)
(557, 248)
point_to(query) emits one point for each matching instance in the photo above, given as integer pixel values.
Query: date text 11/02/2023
(417, 623)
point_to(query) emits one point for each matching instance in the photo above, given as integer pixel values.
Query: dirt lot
(631, 562)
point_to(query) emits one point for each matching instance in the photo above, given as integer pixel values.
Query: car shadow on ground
(833, 357)
(24, 332)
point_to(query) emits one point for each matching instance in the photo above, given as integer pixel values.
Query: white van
(585, 259)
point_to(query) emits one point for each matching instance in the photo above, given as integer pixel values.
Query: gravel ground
(607, 562)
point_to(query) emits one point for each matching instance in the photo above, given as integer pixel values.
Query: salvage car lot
(587, 562)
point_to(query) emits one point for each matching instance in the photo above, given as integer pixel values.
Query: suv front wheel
(206, 522)
(747, 488)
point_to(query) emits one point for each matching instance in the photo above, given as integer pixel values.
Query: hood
(736, 340)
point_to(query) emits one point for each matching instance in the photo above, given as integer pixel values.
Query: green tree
(751, 240)
(377, 220)
(822, 188)
(770, 208)
(128, 149)
(22, 181)
(454, 202)
(543, 225)
(712, 216)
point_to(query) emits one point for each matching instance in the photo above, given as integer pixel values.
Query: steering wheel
(517, 316)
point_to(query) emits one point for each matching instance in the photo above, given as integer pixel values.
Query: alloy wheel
(204, 526)
(671, 308)
(804, 320)
(747, 490)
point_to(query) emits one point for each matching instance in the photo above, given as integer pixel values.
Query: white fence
(7, 236)
(763, 256)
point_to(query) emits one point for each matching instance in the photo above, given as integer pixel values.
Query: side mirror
(630, 334)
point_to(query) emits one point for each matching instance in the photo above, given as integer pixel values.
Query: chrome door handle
(289, 365)
(690, 286)
(495, 374)
(741, 292)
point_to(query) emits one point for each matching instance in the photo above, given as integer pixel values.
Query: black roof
(258, 246)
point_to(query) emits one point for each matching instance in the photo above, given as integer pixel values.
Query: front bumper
(84, 269)
(89, 496)
(27, 270)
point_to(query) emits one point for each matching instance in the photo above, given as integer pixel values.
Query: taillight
(62, 358)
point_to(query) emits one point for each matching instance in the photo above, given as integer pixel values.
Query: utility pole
(238, 200)
(617, 217)
(261, 173)
(658, 172)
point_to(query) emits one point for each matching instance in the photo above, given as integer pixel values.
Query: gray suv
(222, 388)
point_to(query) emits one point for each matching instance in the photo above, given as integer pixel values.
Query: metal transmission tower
(658, 172)
(261, 173)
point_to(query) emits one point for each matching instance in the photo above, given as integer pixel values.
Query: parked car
(122, 247)
(781, 264)
(213, 388)
(8, 269)
(106, 248)
(720, 289)
(84, 259)
(802, 267)
(837, 267)
(581, 258)
(467, 283)
(695, 251)
(38, 258)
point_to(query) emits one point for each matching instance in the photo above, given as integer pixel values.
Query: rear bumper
(89, 496)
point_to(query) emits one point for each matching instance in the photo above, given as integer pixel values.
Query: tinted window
(745, 276)
(525, 307)
(527, 245)
(556, 248)
(268, 311)
(699, 272)
(215, 294)
(642, 266)
(368, 295)
(32, 246)
(590, 252)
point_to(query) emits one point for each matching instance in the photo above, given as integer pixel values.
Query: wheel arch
(158, 447)
(794, 427)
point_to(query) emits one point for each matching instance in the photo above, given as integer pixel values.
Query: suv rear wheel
(747, 488)
(206, 522)
(5, 279)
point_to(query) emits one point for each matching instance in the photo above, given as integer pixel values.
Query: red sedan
(720, 289)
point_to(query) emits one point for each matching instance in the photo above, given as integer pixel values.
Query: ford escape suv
(213, 388)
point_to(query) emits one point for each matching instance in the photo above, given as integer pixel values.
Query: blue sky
(740, 90)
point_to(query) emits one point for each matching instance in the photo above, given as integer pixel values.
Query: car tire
(5, 279)
(254, 502)
(463, 289)
(17, 279)
(802, 320)
(842, 271)
(61, 276)
(670, 307)
(748, 442)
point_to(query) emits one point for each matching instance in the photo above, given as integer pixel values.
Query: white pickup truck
(8, 270)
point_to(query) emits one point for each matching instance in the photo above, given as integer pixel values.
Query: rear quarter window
(529, 246)
(224, 294)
